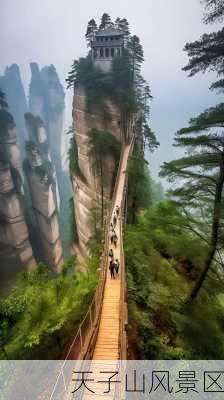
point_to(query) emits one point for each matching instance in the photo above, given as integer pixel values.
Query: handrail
(85, 335)
(123, 303)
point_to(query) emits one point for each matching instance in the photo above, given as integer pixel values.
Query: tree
(136, 55)
(123, 25)
(105, 21)
(207, 53)
(139, 185)
(102, 143)
(202, 179)
(90, 31)
(215, 11)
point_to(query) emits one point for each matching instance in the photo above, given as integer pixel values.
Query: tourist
(114, 219)
(112, 269)
(117, 265)
(112, 237)
(115, 239)
(111, 253)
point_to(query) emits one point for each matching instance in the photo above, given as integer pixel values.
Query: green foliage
(123, 84)
(139, 185)
(90, 31)
(73, 158)
(162, 259)
(96, 83)
(73, 226)
(123, 25)
(38, 317)
(202, 181)
(105, 21)
(136, 55)
(122, 88)
(102, 143)
(214, 11)
(206, 54)
(157, 191)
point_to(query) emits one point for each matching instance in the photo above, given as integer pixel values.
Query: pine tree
(201, 173)
(215, 11)
(71, 79)
(123, 25)
(207, 53)
(105, 21)
(136, 55)
(90, 31)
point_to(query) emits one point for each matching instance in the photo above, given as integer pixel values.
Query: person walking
(117, 265)
(112, 269)
(115, 239)
(112, 238)
(111, 254)
(114, 220)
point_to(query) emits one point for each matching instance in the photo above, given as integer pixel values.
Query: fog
(52, 32)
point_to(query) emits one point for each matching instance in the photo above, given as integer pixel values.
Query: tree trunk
(214, 233)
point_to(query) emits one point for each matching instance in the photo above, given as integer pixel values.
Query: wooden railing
(83, 344)
(123, 289)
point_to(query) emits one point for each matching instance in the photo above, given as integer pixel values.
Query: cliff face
(46, 100)
(42, 189)
(13, 228)
(12, 86)
(86, 186)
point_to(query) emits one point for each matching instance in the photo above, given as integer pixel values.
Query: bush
(39, 315)
(162, 260)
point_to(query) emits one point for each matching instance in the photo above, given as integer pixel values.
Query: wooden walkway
(108, 339)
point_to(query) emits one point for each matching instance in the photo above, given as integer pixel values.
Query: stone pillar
(42, 189)
(86, 188)
(13, 228)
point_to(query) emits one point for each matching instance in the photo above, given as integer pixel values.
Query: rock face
(46, 100)
(13, 228)
(42, 189)
(12, 86)
(86, 186)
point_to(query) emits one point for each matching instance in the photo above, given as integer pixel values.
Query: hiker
(117, 211)
(114, 219)
(117, 265)
(112, 269)
(111, 253)
(112, 238)
(115, 239)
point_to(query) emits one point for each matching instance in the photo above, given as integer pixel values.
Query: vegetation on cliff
(41, 314)
(162, 248)
(178, 243)
(101, 144)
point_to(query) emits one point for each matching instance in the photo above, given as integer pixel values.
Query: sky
(52, 32)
